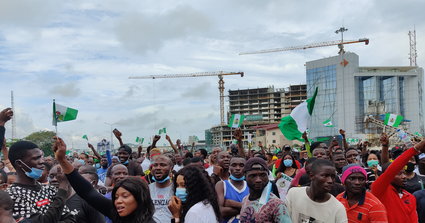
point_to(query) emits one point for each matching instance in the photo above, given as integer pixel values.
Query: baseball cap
(255, 163)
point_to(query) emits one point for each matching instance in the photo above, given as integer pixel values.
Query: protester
(352, 155)
(179, 163)
(285, 173)
(221, 168)
(6, 209)
(3, 180)
(82, 211)
(261, 205)
(339, 161)
(115, 160)
(388, 188)
(83, 158)
(420, 168)
(101, 172)
(361, 205)
(41, 203)
(231, 192)
(197, 161)
(192, 204)
(315, 203)
(50, 160)
(213, 159)
(372, 170)
(44, 179)
(420, 204)
(11, 178)
(130, 197)
(161, 190)
(414, 181)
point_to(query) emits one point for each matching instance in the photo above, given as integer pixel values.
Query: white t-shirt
(200, 213)
(177, 167)
(210, 170)
(161, 198)
(145, 164)
(302, 209)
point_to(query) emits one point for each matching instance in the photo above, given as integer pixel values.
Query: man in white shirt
(213, 160)
(315, 203)
(179, 163)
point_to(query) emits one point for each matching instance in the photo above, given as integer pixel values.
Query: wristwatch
(175, 220)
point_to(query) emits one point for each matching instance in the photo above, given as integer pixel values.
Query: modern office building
(347, 92)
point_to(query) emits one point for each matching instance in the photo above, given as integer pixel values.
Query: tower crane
(220, 75)
(312, 45)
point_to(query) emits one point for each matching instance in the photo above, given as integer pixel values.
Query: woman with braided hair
(196, 200)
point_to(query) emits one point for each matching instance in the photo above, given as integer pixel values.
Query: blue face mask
(161, 181)
(181, 194)
(97, 165)
(125, 162)
(82, 161)
(34, 174)
(237, 179)
(287, 163)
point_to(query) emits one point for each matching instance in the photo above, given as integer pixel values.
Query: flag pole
(54, 116)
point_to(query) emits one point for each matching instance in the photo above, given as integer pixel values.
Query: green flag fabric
(328, 123)
(85, 137)
(393, 120)
(236, 121)
(293, 125)
(63, 114)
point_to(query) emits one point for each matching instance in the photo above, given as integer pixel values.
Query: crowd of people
(319, 183)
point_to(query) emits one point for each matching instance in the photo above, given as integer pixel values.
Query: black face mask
(410, 167)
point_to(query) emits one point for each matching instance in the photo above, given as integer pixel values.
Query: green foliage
(44, 140)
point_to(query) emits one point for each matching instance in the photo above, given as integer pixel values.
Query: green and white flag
(393, 120)
(293, 125)
(139, 140)
(352, 141)
(418, 134)
(236, 121)
(196, 138)
(63, 114)
(85, 137)
(162, 131)
(328, 123)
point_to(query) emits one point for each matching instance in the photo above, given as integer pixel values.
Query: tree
(44, 140)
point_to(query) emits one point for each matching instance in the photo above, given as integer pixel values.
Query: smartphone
(115, 131)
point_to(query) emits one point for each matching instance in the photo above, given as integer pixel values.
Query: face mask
(287, 163)
(97, 165)
(372, 163)
(410, 167)
(125, 162)
(237, 179)
(161, 181)
(181, 194)
(82, 161)
(34, 174)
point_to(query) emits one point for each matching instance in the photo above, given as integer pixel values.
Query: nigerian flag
(162, 131)
(85, 137)
(293, 125)
(393, 120)
(196, 138)
(236, 121)
(140, 140)
(62, 113)
(328, 123)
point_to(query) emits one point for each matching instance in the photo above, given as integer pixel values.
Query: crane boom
(197, 74)
(312, 45)
(220, 75)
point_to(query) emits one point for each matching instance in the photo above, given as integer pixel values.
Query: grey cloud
(69, 89)
(131, 91)
(201, 91)
(140, 33)
(28, 13)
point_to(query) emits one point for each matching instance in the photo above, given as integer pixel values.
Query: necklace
(166, 196)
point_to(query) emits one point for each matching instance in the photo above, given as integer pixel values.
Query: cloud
(199, 91)
(140, 33)
(69, 89)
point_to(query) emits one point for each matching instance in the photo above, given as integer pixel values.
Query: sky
(81, 53)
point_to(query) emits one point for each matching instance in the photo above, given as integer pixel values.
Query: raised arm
(307, 143)
(385, 156)
(156, 138)
(342, 132)
(364, 151)
(81, 186)
(238, 136)
(6, 157)
(118, 135)
(261, 147)
(333, 144)
(139, 149)
(94, 152)
(193, 147)
(171, 144)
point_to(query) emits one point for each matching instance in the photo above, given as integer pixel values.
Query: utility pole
(13, 117)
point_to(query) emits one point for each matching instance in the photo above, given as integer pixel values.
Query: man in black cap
(395, 152)
(261, 205)
(134, 169)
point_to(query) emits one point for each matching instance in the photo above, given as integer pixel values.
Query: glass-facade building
(347, 93)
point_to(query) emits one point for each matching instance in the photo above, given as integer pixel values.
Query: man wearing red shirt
(388, 188)
(361, 205)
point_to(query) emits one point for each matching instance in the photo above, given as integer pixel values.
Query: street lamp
(112, 142)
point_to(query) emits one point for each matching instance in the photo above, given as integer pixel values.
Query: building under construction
(261, 106)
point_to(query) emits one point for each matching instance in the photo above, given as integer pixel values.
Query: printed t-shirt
(283, 184)
(161, 198)
(272, 212)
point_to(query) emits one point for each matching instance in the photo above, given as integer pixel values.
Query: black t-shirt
(134, 169)
(415, 184)
(83, 212)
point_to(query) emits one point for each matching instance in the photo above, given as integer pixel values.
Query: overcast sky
(81, 53)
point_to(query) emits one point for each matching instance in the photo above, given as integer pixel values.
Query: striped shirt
(369, 208)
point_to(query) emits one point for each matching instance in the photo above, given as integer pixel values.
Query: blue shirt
(233, 193)
(420, 204)
(102, 174)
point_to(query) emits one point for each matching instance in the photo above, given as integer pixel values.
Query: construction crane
(220, 75)
(312, 45)
(389, 130)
